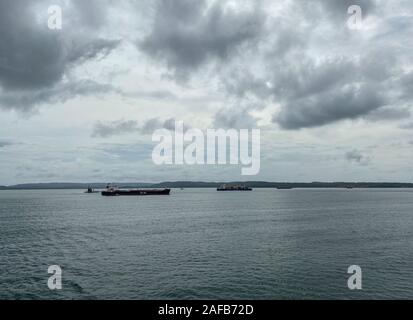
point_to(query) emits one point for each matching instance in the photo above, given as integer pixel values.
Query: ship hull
(113, 193)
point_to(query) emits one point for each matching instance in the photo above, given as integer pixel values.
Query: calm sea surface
(203, 244)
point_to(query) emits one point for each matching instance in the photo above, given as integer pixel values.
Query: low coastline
(196, 184)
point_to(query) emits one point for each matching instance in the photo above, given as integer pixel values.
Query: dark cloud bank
(187, 34)
(350, 77)
(35, 60)
(304, 59)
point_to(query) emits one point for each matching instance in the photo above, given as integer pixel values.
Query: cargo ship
(114, 191)
(224, 187)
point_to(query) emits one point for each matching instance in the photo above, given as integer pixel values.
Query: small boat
(115, 191)
(91, 190)
(224, 187)
(284, 188)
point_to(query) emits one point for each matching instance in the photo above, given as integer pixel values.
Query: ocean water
(203, 244)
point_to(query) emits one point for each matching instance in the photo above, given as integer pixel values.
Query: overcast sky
(80, 104)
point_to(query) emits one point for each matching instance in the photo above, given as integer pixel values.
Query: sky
(80, 103)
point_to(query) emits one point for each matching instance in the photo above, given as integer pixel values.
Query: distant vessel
(224, 187)
(285, 188)
(91, 190)
(115, 191)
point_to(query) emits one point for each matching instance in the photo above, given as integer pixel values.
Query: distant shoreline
(195, 184)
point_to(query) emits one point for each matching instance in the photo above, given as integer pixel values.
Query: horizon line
(207, 182)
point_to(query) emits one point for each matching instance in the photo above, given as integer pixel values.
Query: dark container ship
(114, 191)
(234, 188)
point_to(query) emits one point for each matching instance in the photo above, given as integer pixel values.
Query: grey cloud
(152, 124)
(25, 100)
(85, 50)
(119, 127)
(234, 118)
(31, 56)
(104, 130)
(299, 76)
(389, 114)
(34, 59)
(315, 90)
(406, 86)
(91, 13)
(406, 126)
(348, 80)
(347, 103)
(314, 95)
(154, 94)
(357, 157)
(315, 70)
(186, 34)
(334, 12)
(305, 77)
(240, 83)
(340, 7)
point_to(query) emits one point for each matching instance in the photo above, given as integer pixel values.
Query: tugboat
(224, 187)
(112, 191)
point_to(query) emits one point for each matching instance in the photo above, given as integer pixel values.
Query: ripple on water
(198, 244)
